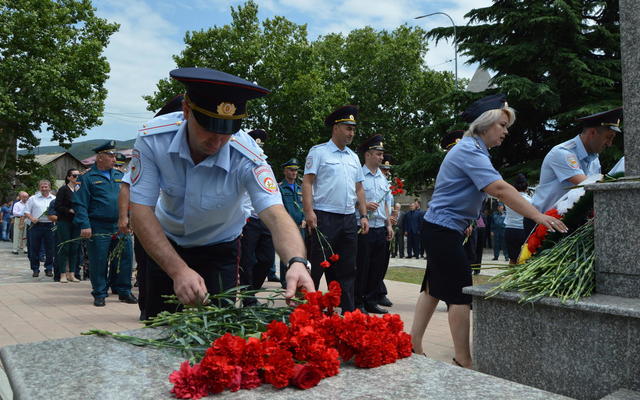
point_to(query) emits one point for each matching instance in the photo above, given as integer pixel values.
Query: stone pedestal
(617, 210)
(90, 367)
(586, 349)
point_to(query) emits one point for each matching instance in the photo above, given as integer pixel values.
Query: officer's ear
(185, 109)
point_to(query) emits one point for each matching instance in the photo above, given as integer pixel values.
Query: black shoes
(98, 302)
(35, 274)
(273, 279)
(385, 302)
(48, 273)
(128, 298)
(374, 309)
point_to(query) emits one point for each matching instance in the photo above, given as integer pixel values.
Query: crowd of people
(207, 214)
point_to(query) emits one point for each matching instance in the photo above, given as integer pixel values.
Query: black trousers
(341, 232)
(382, 288)
(141, 270)
(370, 265)
(217, 264)
(398, 243)
(413, 244)
(528, 225)
(257, 255)
(479, 247)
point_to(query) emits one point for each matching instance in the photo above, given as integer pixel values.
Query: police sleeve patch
(309, 162)
(135, 166)
(264, 177)
(572, 161)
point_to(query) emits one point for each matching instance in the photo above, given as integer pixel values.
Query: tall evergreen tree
(556, 60)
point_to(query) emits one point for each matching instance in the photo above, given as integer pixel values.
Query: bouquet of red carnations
(298, 354)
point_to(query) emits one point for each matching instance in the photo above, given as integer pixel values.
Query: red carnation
(334, 258)
(305, 376)
(114, 236)
(250, 378)
(188, 382)
(325, 264)
(533, 244)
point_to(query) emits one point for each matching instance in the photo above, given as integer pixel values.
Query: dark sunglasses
(74, 175)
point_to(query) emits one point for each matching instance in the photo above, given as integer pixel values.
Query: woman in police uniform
(465, 177)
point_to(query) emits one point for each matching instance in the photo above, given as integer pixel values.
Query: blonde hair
(481, 124)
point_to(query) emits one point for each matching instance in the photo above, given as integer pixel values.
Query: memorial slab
(91, 367)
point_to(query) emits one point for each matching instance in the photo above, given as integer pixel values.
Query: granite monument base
(616, 231)
(586, 349)
(92, 367)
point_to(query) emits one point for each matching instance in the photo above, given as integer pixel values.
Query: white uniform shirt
(201, 204)
(337, 172)
(563, 162)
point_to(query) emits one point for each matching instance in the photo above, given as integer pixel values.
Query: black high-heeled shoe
(414, 352)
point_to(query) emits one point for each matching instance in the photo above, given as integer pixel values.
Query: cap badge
(351, 118)
(226, 108)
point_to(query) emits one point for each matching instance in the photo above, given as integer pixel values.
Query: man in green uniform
(292, 200)
(96, 206)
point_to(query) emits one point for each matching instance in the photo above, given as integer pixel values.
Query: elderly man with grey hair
(19, 229)
(41, 230)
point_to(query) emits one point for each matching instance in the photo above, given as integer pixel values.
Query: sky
(152, 31)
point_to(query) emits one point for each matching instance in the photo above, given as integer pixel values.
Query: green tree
(52, 74)
(555, 59)
(383, 72)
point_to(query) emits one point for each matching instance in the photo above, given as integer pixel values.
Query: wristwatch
(364, 216)
(304, 261)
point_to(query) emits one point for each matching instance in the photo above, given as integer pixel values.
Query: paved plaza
(37, 309)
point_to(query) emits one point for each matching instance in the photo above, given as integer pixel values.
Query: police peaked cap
(218, 100)
(106, 147)
(610, 119)
(480, 106)
(387, 161)
(292, 163)
(173, 105)
(343, 115)
(450, 138)
(120, 158)
(258, 134)
(375, 142)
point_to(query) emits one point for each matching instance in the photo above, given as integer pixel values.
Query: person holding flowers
(331, 187)
(571, 162)
(465, 178)
(373, 246)
(190, 174)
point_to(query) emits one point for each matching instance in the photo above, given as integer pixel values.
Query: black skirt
(448, 268)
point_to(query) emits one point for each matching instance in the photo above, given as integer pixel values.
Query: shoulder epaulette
(245, 149)
(162, 124)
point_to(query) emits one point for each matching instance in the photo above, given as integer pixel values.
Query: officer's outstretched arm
(288, 244)
(188, 285)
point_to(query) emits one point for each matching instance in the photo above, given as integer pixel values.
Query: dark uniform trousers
(141, 270)
(370, 262)
(342, 233)
(257, 255)
(103, 273)
(217, 264)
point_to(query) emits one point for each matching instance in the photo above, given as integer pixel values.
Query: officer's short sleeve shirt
(458, 195)
(337, 172)
(563, 162)
(376, 189)
(200, 204)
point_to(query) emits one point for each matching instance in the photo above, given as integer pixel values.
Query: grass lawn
(415, 275)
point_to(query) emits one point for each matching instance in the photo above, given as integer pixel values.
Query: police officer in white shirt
(190, 172)
(331, 186)
(569, 163)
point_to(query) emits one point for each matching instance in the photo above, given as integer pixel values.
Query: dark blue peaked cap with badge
(343, 115)
(480, 106)
(292, 163)
(610, 119)
(218, 100)
(387, 161)
(173, 105)
(107, 147)
(450, 139)
(375, 142)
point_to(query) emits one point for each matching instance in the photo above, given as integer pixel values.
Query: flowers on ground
(301, 353)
